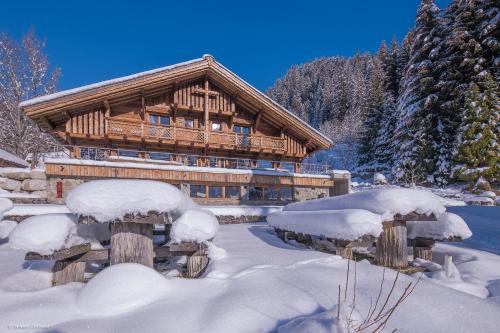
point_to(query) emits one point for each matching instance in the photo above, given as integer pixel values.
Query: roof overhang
(43, 107)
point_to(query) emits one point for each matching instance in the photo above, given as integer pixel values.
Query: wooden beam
(107, 109)
(258, 119)
(47, 123)
(205, 106)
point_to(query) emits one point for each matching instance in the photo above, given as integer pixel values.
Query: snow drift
(386, 202)
(448, 226)
(108, 200)
(121, 288)
(348, 224)
(5, 205)
(194, 225)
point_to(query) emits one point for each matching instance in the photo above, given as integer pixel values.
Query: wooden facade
(198, 107)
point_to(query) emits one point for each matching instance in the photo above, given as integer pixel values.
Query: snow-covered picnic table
(385, 217)
(122, 214)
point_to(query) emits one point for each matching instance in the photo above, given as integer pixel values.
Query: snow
(43, 233)
(347, 224)
(386, 201)
(122, 288)
(6, 227)
(194, 225)
(448, 226)
(37, 209)
(243, 210)
(261, 284)
(68, 92)
(489, 194)
(5, 155)
(5, 205)
(379, 178)
(323, 322)
(152, 166)
(108, 200)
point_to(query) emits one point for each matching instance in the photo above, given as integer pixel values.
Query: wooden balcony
(174, 133)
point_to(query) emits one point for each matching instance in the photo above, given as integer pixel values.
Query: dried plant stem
(347, 280)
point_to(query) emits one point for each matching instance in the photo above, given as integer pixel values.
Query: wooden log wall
(220, 102)
(293, 146)
(91, 122)
(185, 94)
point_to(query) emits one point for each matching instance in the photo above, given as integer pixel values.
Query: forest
(423, 110)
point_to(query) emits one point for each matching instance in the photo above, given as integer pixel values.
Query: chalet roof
(43, 106)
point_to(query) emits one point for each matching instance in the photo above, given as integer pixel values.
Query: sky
(92, 41)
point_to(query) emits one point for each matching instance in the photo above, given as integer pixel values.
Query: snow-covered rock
(6, 227)
(43, 233)
(479, 201)
(348, 224)
(482, 185)
(15, 173)
(488, 194)
(448, 226)
(5, 205)
(194, 225)
(34, 185)
(108, 200)
(10, 184)
(121, 288)
(379, 179)
(384, 201)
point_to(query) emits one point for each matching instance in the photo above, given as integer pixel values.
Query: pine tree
(478, 151)
(418, 125)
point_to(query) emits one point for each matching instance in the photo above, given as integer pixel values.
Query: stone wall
(25, 185)
(308, 193)
(67, 186)
(230, 219)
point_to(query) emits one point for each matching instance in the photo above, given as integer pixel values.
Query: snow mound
(448, 226)
(194, 225)
(5, 205)
(121, 288)
(6, 228)
(379, 179)
(111, 199)
(43, 233)
(323, 322)
(348, 224)
(386, 202)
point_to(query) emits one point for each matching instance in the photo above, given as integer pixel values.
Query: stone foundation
(309, 193)
(229, 219)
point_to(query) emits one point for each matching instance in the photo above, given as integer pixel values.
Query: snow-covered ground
(256, 284)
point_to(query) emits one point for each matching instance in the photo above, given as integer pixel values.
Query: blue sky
(259, 40)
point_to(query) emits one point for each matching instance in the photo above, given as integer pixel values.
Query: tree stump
(392, 248)
(422, 248)
(66, 271)
(131, 243)
(196, 264)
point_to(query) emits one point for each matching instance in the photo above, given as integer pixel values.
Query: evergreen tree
(478, 151)
(417, 127)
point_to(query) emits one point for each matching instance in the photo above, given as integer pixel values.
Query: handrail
(115, 154)
(171, 132)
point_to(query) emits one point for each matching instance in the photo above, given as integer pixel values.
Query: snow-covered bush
(347, 224)
(5, 205)
(121, 288)
(109, 200)
(386, 202)
(379, 179)
(194, 225)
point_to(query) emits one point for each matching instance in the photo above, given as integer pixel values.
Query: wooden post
(422, 248)
(131, 242)
(66, 271)
(392, 249)
(196, 264)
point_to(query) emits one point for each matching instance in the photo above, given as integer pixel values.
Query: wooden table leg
(196, 264)
(66, 271)
(423, 248)
(392, 248)
(131, 243)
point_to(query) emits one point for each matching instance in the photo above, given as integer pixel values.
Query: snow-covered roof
(125, 79)
(13, 159)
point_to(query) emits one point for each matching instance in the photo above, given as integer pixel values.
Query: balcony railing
(165, 158)
(192, 135)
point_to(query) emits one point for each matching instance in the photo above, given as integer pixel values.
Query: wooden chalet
(195, 124)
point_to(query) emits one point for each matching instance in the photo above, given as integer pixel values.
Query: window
(189, 123)
(255, 193)
(198, 191)
(241, 129)
(128, 153)
(286, 194)
(159, 120)
(265, 164)
(232, 192)
(215, 192)
(96, 154)
(160, 156)
(216, 126)
(271, 194)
